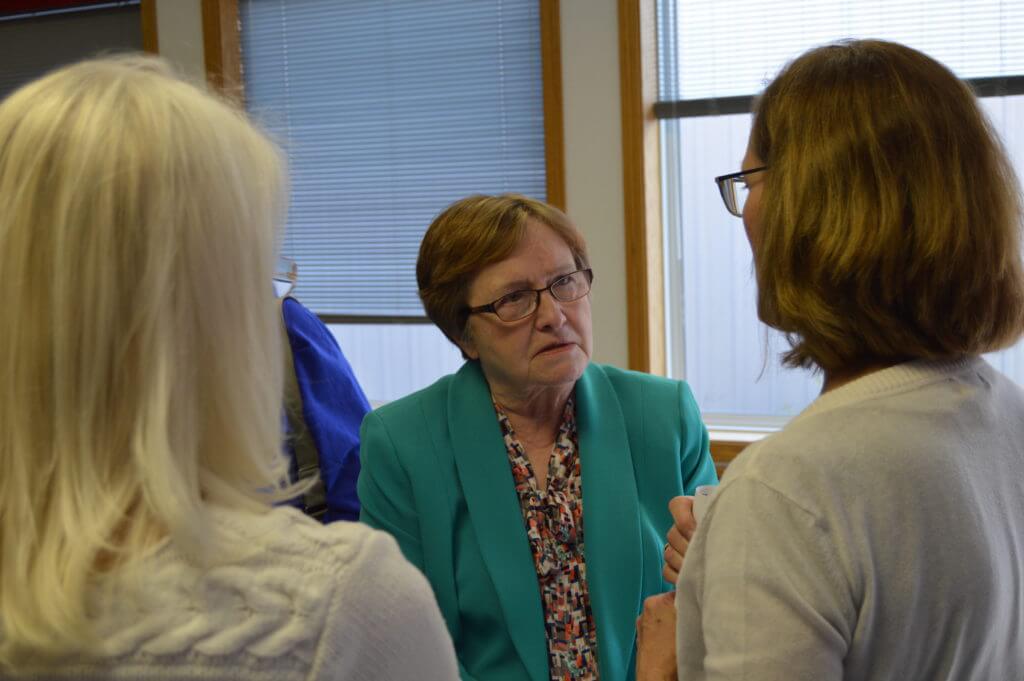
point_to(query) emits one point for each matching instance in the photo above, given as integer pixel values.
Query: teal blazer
(435, 475)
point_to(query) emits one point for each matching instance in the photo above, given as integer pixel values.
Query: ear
(467, 345)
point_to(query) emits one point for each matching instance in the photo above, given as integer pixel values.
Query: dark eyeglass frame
(727, 188)
(491, 306)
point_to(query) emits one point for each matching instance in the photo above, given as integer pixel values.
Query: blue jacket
(324, 426)
(436, 476)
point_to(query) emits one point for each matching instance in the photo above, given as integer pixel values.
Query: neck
(840, 377)
(534, 414)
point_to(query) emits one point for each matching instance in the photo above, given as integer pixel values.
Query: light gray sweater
(880, 535)
(303, 601)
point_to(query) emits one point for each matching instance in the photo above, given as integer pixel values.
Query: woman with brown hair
(531, 487)
(880, 534)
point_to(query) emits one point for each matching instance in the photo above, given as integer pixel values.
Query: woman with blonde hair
(140, 409)
(880, 534)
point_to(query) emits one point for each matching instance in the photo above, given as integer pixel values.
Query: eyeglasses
(733, 188)
(286, 274)
(518, 305)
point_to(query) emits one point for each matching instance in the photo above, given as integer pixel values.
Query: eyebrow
(524, 285)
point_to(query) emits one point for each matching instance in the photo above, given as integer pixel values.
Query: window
(389, 110)
(713, 57)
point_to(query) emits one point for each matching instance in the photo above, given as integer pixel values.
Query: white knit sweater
(306, 601)
(878, 537)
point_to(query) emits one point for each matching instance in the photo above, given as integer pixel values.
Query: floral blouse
(554, 527)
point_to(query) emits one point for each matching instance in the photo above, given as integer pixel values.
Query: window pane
(1007, 115)
(715, 340)
(722, 49)
(393, 360)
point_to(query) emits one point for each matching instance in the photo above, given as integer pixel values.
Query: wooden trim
(222, 51)
(997, 86)
(723, 452)
(712, 106)
(551, 74)
(642, 186)
(150, 39)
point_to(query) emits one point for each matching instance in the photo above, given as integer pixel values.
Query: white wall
(593, 161)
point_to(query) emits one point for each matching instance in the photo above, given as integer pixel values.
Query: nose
(549, 313)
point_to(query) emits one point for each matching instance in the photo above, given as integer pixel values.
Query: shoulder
(638, 390)
(377, 615)
(842, 461)
(399, 412)
(279, 587)
(628, 382)
(889, 422)
(900, 431)
(291, 541)
(425, 413)
(304, 327)
(383, 620)
(301, 561)
(404, 426)
(804, 449)
(294, 311)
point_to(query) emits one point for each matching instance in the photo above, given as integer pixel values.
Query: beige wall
(593, 161)
(179, 29)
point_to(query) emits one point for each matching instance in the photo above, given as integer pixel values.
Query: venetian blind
(710, 50)
(389, 110)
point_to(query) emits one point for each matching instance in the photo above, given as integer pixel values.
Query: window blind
(713, 50)
(388, 111)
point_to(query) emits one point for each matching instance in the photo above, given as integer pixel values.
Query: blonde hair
(140, 352)
(471, 234)
(891, 218)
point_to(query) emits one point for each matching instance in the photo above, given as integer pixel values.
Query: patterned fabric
(554, 526)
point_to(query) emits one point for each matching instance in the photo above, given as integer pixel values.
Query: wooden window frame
(222, 48)
(551, 75)
(150, 39)
(641, 173)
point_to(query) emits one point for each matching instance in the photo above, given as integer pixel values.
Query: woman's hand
(683, 527)
(656, 639)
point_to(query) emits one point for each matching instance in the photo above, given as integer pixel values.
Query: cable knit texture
(302, 601)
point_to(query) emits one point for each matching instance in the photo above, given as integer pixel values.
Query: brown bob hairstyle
(471, 234)
(890, 216)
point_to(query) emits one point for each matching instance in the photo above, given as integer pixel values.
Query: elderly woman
(140, 409)
(880, 535)
(531, 487)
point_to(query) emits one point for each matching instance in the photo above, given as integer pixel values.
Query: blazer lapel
(494, 509)
(611, 521)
